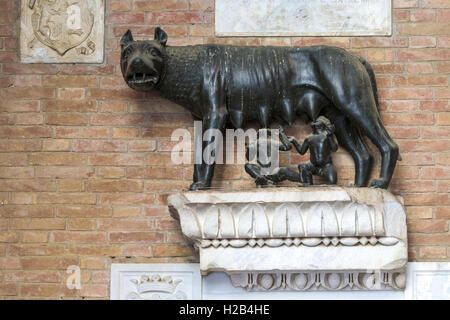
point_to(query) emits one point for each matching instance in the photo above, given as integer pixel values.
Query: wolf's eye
(153, 52)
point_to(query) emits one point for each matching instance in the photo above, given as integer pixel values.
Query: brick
(120, 5)
(443, 159)
(435, 173)
(423, 54)
(443, 213)
(37, 224)
(423, 15)
(113, 106)
(47, 263)
(419, 67)
(33, 276)
(29, 118)
(67, 198)
(7, 263)
(127, 224)
(171, 251)
(433, 252)
(36, 250)
(16, 172)
(66, 119)
(81, 132)
(115, 186)
(419, 213)
(423, 145)
(34, 236)
(443, 67)
(127, 198)
(142, 145)
(427, 199)
(57, 158)
(56, 145)
(8, 289)
(69, 81)
(79, 237)
(81, 224)
(34, 211)
(422, 42)
(27, 93)
(95, 250)
(174, 18)
(130, 212)
(424, 28)
(127, 18)
(70, 186)
(428, 226)
(125, 133)
(136, 237)
(94, 263)
(436, 4)
(444, 15)
(27, 185)
(70, 106)
(443, 119)
(84, 211)
(64, 172)
(25, 132)
(19, 106)
(46, 290)
(443, 186)
(116, 159)
(428, 239)
(434, 105)
(99, 146)
(435, 132)
(94, 290)
(154, 173)
(405, 93)
(201, 5)
(407, 118)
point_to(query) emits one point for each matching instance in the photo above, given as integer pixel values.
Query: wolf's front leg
(213, 124)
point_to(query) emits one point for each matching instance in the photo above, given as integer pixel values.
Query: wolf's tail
(371, 74)
(369, 70)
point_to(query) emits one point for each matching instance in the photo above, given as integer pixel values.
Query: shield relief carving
(62, 31)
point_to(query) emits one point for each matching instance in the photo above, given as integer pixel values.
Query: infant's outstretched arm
(333, 143)
(285, 143)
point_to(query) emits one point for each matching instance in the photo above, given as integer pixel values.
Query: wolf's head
(142, 62)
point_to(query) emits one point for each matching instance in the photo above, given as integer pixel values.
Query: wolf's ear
(126, 39)
(161, 36)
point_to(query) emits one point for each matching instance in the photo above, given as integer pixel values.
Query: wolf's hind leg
(349, 138)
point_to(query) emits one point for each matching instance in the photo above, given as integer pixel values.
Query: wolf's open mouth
(142, 78)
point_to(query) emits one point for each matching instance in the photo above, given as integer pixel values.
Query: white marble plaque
(62, 31)
(155, 281)
(303, 18)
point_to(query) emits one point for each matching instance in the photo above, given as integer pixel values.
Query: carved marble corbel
(317, 238)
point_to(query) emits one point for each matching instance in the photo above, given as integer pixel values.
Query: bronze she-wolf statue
(226, 86)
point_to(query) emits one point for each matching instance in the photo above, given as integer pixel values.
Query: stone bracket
(317, 238)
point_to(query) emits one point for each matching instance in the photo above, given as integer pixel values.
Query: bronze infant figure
(273, 174)
(226, 86)
(321, 144)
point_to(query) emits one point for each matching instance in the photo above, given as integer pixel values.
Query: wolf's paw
(198, 186)
(378, 183)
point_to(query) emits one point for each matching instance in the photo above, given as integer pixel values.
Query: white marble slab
(303, 17)
(155, 281)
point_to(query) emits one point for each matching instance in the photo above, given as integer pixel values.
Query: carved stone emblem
(62, 31)
(156, 287)
(62, 25)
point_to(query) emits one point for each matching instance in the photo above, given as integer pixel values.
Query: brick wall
(85, 164)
